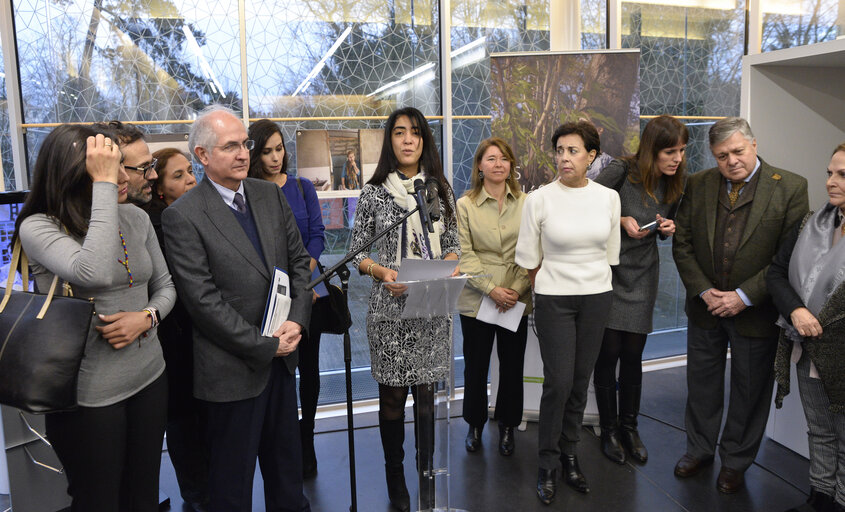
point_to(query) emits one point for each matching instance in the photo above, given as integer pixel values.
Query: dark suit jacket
(223, 284)
(780, 202)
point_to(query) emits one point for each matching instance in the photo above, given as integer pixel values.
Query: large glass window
(92, 60)
(788, 23)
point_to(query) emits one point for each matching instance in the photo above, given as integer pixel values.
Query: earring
(161, 196)
(480, 175)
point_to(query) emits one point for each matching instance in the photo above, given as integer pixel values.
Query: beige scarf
(412, 242)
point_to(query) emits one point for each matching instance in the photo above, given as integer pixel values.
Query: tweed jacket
(780, 202)
(223, 284)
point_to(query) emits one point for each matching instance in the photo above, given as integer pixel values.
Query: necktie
(733, 195)
(240, 205)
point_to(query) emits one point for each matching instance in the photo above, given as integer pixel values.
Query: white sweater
(572, 234)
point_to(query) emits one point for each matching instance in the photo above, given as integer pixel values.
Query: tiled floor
(485, 481)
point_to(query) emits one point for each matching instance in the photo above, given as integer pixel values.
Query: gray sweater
(92, 266)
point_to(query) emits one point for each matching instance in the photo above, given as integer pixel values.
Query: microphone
(422, 206)
(432, 187)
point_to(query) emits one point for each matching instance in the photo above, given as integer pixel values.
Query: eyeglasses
(145, 170)
(233, 147)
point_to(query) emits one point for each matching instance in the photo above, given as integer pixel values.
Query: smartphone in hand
(648, 226)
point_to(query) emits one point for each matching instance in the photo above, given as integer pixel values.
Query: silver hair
(202, 132)
(723, 129)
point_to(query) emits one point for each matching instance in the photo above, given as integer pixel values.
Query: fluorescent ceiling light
(469, 46)
(405, 77)
(206, 69)
(305, 83)
(725, 5)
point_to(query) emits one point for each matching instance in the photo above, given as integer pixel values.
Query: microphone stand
(343, 272)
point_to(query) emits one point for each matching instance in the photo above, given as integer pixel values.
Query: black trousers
(309, 368)
(478, 346)
(112, 454)
(752, 380)
(265, 427)
(185, 414)
(569, 330)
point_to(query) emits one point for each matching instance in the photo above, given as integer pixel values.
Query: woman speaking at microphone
(411, 352)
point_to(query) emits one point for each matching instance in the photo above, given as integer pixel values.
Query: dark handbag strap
(18, 255)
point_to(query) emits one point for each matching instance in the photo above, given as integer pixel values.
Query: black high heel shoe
(546, 485)
(473, 440)
(507, 442)
(572, 474)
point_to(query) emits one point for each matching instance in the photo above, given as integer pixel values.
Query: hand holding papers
(278, 303)
(488, 312)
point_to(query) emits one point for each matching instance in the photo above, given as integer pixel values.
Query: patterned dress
(402, 352)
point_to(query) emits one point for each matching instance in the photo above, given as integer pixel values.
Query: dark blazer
(224, 284)
(780, 202)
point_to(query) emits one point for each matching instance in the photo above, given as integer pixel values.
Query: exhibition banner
(531, 95)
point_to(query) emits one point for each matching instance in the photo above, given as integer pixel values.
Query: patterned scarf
(412, 242)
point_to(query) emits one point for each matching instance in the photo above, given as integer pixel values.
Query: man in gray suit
(730, 224)
(223, 239)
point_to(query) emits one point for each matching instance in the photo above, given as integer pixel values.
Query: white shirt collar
(228, 194)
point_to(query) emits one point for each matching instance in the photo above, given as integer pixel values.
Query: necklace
(125, 261)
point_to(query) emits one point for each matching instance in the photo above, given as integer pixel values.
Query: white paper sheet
(278, 303)
(510, 319)
(424, 270)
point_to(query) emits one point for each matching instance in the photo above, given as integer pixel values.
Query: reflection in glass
(8, 177)
(788, 23)
(335, 58)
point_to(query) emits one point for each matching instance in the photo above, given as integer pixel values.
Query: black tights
(391, 399)
(626, 347)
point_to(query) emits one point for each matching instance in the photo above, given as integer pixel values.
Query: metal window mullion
(244, 77)
(445, 14)
(614, 24)
(14, 100)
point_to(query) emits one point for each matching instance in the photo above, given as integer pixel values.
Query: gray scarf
(816, 268)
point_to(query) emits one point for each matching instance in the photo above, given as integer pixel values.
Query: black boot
(611, 446)
(818, 502)
(392, 439)
(572, 474)
(473, 440)
(309, 456)
(546, 485)
(507, 442)
(629, 408)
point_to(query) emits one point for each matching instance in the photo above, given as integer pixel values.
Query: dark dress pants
(752, 379)
(265, 427)
(185, 414)
(478, 346)
(569, 330)
(112, 454)
(309, 367)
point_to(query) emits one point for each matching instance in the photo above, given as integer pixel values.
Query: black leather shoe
(689, 466)
(611, 446)
(473, 440)
(816, 502)
(572, 474)
(506, 440)
(546, 485)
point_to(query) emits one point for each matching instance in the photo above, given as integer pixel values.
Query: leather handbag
(333, 309)
(42, 341)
